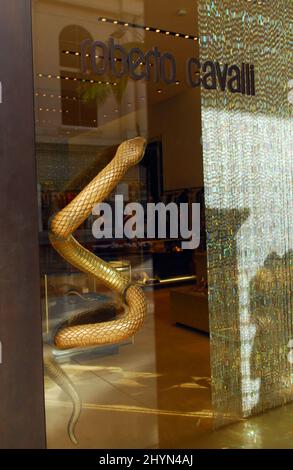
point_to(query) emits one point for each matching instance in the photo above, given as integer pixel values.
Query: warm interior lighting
(147, 28)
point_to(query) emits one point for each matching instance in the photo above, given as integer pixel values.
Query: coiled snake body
(64, 223)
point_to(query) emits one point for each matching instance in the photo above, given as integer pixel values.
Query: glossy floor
(154, 393)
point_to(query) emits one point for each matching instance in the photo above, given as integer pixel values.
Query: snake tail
(57, 374)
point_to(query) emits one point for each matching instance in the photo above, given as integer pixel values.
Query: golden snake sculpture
(85, 330)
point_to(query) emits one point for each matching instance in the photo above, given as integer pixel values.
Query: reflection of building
(83, 113)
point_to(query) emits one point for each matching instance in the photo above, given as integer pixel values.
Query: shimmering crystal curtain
(248, 166)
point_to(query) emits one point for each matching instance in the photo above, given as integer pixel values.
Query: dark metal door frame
(22, 417)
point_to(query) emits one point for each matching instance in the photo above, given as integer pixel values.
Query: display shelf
(190, 308)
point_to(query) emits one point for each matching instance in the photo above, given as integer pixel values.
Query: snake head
(132, 150)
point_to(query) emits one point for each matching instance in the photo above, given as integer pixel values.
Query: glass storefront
(163, 143)
(105, 74)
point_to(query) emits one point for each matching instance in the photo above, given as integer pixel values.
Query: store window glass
(119, 160)
(131, 98)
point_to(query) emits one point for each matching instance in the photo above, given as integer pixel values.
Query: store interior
(154, 389)
(158, 380)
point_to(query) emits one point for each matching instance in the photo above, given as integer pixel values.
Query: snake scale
(78, 332)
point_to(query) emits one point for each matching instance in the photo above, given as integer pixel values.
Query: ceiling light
(181, 12)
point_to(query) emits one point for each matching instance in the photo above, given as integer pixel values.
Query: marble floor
(154, 393)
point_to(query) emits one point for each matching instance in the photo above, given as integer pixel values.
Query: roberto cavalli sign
(157, 66)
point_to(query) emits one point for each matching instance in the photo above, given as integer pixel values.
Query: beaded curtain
(248, 166)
